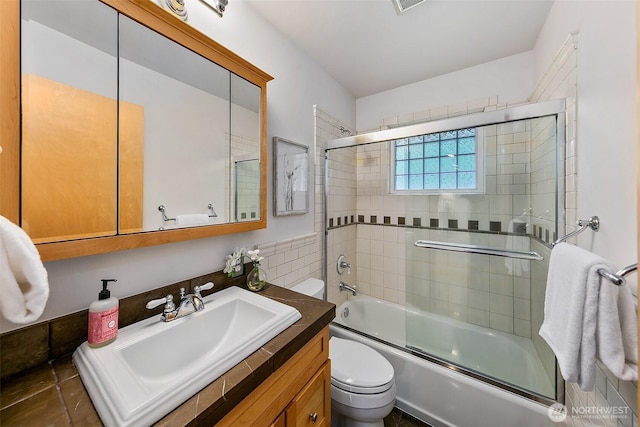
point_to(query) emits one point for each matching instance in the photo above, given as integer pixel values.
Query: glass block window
(437, 161)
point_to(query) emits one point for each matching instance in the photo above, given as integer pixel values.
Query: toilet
(363, 389)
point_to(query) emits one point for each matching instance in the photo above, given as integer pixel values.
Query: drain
(345, 313)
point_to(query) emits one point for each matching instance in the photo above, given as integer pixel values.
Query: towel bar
(165, 218)
(618, 278)
(593, 223)
(459, 247)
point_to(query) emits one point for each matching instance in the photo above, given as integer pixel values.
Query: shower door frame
(555, 108)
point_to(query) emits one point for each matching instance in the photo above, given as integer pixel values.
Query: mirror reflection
(69, 120)
(127, 122)
(182, 112)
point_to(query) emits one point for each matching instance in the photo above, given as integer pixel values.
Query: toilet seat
(357, 368)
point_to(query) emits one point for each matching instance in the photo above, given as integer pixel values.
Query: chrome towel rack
(618, 277)
(165, 218)
(592, 223)
(484, 250)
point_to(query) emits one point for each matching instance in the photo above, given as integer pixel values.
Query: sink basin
(153, 366)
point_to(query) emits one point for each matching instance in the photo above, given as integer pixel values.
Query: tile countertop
(53, 394)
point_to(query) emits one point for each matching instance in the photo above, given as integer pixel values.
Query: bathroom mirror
(126, 109)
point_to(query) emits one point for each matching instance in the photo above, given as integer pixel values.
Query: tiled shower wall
(389, 269)
(341, 213)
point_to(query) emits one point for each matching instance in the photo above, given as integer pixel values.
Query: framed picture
(290, 177)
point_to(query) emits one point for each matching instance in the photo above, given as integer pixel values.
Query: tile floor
(397, 418)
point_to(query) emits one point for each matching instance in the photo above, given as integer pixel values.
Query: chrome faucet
(189, 303)
(344, 287)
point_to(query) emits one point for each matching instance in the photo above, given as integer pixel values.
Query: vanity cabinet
(297, 394)
(311, 405)
(100, 128)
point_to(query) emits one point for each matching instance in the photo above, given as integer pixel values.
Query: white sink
(153, 366)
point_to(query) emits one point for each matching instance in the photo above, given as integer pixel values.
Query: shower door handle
(473, 249)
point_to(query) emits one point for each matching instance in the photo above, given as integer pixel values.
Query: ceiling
(368, 48)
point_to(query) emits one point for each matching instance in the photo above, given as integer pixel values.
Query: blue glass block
(466, 146)
(447, 180)
(448, 164)
(432, 165)
(449, 135)
(431, 181)
(432, 149)
(415, 182)
(403, 141)
(415, 139)
(402, 167)
(401, 182)
(463, 133)
(416, 166)
(415, 151)
(447, 147)
(402, 152)
(432, 137)
(467, 162)
(466, 180)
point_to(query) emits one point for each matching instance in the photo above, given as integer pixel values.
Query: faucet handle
(205, 287)
(168, 301)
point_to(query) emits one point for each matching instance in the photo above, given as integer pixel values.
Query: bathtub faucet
(344, 287)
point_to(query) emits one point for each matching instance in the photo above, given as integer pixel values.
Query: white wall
(605, 146)
(606, 117)
(510, 78)
(299, 84)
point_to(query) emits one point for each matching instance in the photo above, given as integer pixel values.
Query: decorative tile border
(539, 233)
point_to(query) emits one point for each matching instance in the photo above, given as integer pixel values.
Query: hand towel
(24, 286)
(586, 317)
(515, 266)
(192, 219)
(617, 331)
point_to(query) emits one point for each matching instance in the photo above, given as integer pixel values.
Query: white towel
(192, 219)
(24, 287)
(587, 317)
(515, 266)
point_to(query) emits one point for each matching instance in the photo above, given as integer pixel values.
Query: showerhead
(344, 130)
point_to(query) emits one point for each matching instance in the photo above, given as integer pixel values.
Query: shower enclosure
(453, 220)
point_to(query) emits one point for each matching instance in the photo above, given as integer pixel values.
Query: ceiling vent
(404, 5)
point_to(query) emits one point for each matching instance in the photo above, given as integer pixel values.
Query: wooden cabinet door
(312, 406)
(281, 421)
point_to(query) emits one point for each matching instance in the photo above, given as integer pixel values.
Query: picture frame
(290, 177)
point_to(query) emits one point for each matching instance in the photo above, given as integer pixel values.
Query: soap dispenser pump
(103, 317)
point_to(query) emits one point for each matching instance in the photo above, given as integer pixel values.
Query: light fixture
(176, 7)
(404, 5)
(218, 6)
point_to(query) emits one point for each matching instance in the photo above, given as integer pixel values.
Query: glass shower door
(483, 212)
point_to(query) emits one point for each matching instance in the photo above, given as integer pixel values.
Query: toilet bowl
(363, 389)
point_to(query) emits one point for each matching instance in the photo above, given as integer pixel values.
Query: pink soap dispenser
(103, 317)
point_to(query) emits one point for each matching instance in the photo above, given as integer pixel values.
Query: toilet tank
(312, 287)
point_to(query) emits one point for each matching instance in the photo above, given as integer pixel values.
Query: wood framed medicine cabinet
(123, 232)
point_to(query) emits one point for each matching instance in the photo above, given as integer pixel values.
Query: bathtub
(437, 394)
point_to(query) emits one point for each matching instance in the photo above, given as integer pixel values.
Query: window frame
(480, 170)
